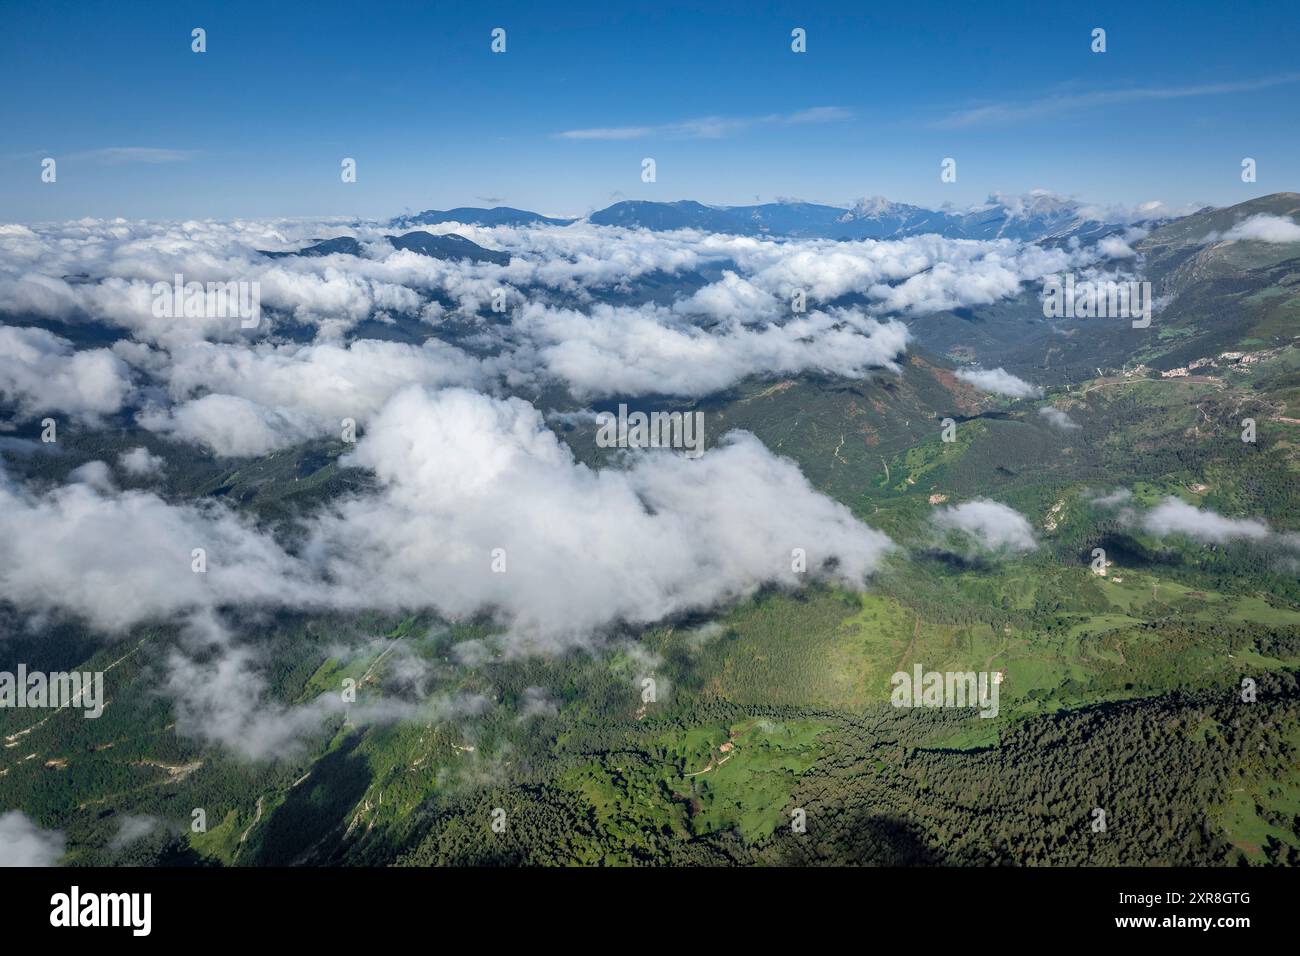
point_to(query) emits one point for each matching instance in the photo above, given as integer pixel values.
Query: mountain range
(1036, 216)
(1131, 444)
(448, 246)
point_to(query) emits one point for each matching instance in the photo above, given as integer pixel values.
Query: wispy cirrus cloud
(710, 127)
(119, 155)
(1005, 114)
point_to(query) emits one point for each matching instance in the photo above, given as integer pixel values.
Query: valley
(1120, 689)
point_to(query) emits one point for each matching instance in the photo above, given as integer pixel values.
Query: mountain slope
(448, 246)
(1037, 215)
(1213, 295)
(477, 216)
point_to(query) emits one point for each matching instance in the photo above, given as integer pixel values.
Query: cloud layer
(462, 475)
(474, 508)
(40, 372)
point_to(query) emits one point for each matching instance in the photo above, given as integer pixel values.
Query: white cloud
(228, 425)
(221, 694)
(1175, 516)
(992, 525)
(461, 474)
(223, 698)
(611, 350)
(122, 259)
(133, 827)
(139, 462)
(120, 558)
(118, 155)
(263, 397)
(1266, 228)
(709, 127)
(536, 703)
(1112, 499)
(1000, 382)
(23, 843)
(730, 299)
(1115, 247)
(584, 549)
(95, 474)
(1058, 419)
(999, 114)
(41, 372)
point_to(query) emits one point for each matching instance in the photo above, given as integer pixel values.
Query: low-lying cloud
(41, 372)
(1000, 382)
(23, 843)
(1175, 516)
(991, 525)
(465, 477)
(1265, 228)
(1058, 419)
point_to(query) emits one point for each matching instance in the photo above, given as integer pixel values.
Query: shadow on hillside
(302, 827)
(856, 839)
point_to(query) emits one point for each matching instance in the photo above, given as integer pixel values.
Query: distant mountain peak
(1038, 214)
(445, 246)
(477, 216)
(873, 207)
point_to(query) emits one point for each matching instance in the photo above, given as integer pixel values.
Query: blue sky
(258, 125)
